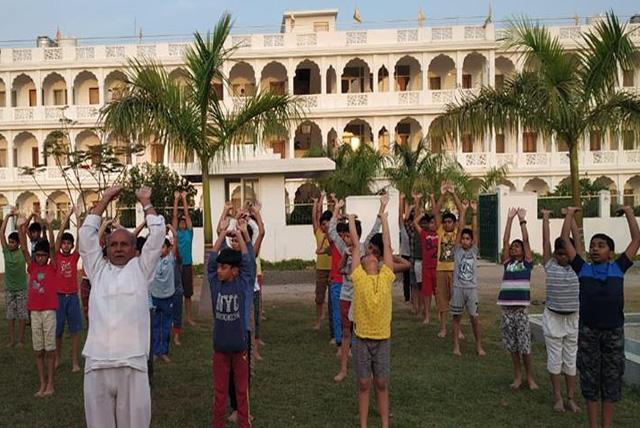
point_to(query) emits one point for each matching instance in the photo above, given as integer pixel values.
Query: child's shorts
(371, 356)
(601, 363)
(462, 298)
(322, 283)
(515, 329)
(345, 307)
(429, 282)
(561, 339)
(443, 290)
(17, 305)
(68, 310)
(43, 330)
(415, 274)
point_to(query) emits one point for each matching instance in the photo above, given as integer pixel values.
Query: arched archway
(4, 152)
(607, 183)
(357, 132)
(87, 141)
(27, 202)
(307, 78)
(537, 185)
(59, 203)
(243, 79)
(473, 71)
(632, 191)
(384, 140)
(505, 69)
(54, 89)
(26, 149)
(442, 73)
(88, 199)
(3, 94)
(383, 79)
(274, 78)
(25, 91)
(332, 85)
(114, 85)
(408, 74)
(308, 137)
(408, 131)
(332, 140)
(85, 89)
(57, 147)
(3, 203)
(121, 148)
(356, 77)
(508, 183)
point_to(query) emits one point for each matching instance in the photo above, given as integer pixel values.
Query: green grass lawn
(294, 384)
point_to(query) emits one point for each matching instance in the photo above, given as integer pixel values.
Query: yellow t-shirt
(372, 303)
(446, 245)
(323, 261)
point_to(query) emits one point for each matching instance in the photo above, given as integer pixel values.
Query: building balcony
(52, 114)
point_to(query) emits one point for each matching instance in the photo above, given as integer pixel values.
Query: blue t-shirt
(229, 301)
(185, 243)
(602, 292)
(163, 284)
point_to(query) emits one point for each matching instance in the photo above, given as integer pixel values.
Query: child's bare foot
(260, 342)
(48, 391)
(532, 384)
(573, 406)
(340, 377)
(257, 356)
(456, 351)
(233, 417)
(332, 341)
(192, 323)
(75, 368)
(461, 336)
(516, 383)
(480, 352)
(176, 340)
(426, 321)
(165, 358)
(558, 406)
(442, 333)
(40, 391)
(316, 326)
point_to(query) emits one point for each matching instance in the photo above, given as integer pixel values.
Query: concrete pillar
(38, 83)
(492, 68)
(459, 63)
(604, 204)
(10, 146)
(292, 137)
(8, 87)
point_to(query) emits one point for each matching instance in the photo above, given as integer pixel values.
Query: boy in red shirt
(425, 226)
(66, 260)
(42, 302)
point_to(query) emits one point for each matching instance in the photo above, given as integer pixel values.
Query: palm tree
(356, 171)
(559, 94)
(191, 118)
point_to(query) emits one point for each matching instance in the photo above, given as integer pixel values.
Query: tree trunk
(204, 306)
(576, 191)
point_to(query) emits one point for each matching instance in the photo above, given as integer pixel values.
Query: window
(59, 97)
(3, 96)
(14, 98)
(93, 96)
(466, 81)
(595, 141)
(15, 157)
(278, 147)
(628, 140)
(219, 90)
(562, 145)
(242, 190)
(627, 78)
(499, 81)
(499, 143)
(529, 142)
(467, 144)
(35, 157)
(3, 158)
(319, 27)
(434, 83)
(403, 74)
(277, 88)
(33, 99)
(157, 153)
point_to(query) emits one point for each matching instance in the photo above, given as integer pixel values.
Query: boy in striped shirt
(514, 297)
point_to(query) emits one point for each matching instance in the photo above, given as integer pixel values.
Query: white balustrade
(309, 101)
(114, 51)
(87, 112)
(603, 157)
(23, 113)
(535, 159)
(22, 55)
(442, 96)
(505, 159)
(273, 40)
(177, 49)
(4, 174)
(409, 98)
(53, 113)
(357, 100)
(52, 54)
(405, 36)
(476, 32)
(632, 157)
(571, 33)
(441, 33)
(241, 41)
(306, 40)
(475, 160)
(85, 52)
(147, 51)
(356, 37)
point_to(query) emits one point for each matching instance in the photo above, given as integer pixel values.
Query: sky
(26, 19)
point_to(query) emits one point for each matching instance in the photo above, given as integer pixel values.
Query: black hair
(229, 257)
(14, 236)
(518, 241)
(35, 227)
(250, 231)
(167, 243)
(559, 244)
(342, 227)
(140, 241)
(376, 241)
(66, 236)
(427, 217)
(449, 215)
(326, 216)
(606, 238)
(42, 246)
(467, 231)
(358, 228)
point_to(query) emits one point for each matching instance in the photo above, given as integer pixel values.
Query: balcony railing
(49, 113)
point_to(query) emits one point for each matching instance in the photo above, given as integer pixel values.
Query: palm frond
(620, 110)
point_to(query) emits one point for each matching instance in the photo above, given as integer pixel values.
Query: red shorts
(345, 305)
(428, 282)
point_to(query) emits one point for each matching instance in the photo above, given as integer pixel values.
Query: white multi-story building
(381, 86)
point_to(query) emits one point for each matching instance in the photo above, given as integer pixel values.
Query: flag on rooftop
(356, 15)
(421, 17)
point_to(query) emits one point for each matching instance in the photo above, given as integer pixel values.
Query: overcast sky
(25, 19)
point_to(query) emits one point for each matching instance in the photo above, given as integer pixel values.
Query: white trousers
(561, 338)
(117, 398)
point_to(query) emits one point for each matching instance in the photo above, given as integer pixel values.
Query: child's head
(41, 252)
(228, 264)
(466, 238)
(370, 264)
(601, 248)
(35, 230)
(375, 247)
(560, 251)
(13, 241)
(343, 231)
(67, 243)
(428, 222)
(182, 223)
(166, 247)
(516, 249)
(325, 218)
(409, 220)
(140, 241)
(449, 222)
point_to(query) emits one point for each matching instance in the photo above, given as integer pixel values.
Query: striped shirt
(515, 289)
(563, 287)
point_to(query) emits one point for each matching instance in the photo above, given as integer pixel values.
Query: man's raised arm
(157, 232)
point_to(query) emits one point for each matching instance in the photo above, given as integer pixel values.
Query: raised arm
(3, 230)
(355, 252)
(566, 230)
(22, 224)
(386, 241)
(506, 239)
(522, 217)
(437, 207)
(255, 210)
(185, 211)
(332, 231)
(228, 206)
(462, 212)
(417, 214)
(52, 248)
(58, 241)
(152, 249)
(632, 248)
(174, 216)
(212, 264)
(546, 237)
(473, 204)
(315, 218)
(139, 228)
(401, 211)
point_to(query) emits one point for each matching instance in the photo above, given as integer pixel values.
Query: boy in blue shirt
(184, 227)
(231, 276)
(601, 328)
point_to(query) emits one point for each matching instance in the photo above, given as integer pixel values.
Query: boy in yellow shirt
(371, 345)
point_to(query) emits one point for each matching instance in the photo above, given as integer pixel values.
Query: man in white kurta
(116, 387)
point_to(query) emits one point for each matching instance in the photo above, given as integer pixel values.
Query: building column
(323, 80)
(459, 64)
(292, 137)
(492, 68)
(38, 83)
(291, 74)
(10, 146)
(6, 78)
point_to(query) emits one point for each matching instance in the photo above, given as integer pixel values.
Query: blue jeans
(335, 289)
(69, 311)
(177, 310)
(161, 326)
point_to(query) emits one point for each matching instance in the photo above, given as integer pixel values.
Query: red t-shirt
(42, 288)
(336, 262)
(67, 273)
(429, 243)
